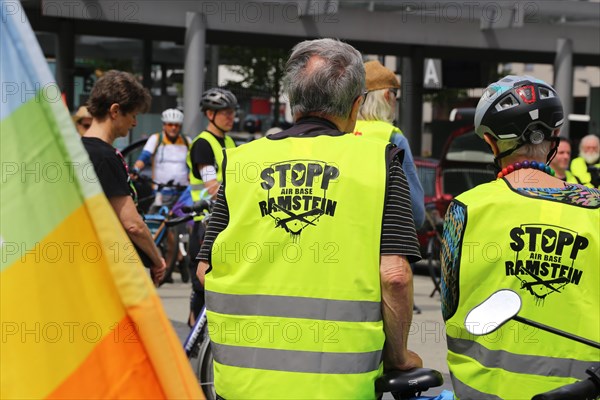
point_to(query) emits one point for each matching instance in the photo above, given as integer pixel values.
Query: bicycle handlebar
(159, 186)
(198, 207)
(586, 389)
(178, 220)
(582, 390)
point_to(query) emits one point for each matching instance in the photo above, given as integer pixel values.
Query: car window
(426, 175)
(458, 180)
(469, 148)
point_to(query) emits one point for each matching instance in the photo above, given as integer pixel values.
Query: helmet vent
(507, 102)
(546, 93)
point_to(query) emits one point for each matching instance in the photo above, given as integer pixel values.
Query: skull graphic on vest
(296, 194)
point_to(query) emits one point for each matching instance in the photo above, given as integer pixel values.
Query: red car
(466, 162)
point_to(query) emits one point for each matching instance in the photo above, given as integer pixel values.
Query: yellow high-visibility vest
(548, 252)
(293, 297)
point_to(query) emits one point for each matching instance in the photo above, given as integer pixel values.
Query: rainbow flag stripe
(79, 315)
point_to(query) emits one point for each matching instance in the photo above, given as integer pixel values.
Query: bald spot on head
(314, 63)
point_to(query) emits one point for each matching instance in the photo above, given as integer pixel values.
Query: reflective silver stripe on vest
(197, 187)
(466, 392)
(294, 307)
(518, 363)
(296, 361)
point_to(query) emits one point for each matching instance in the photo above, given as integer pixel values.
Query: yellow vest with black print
(547, 252)
(198, 184)
(570, 178)
(376, 129)
(293, 296)
(579, 168)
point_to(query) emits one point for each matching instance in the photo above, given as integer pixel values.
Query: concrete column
(563, 79)
(193, 79)
(65, 60)
(213, 73)
(147, 63)
(412, 99)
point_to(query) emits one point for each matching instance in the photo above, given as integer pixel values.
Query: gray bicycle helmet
(218, 99)
(519, 107)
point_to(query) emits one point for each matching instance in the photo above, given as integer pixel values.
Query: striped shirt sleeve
(398, 234)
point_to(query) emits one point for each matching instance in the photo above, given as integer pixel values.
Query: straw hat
(379, 77)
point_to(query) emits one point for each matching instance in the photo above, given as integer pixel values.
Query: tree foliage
(261, 70)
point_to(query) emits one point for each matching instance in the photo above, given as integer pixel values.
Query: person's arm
(219, 220)
(139, 233)
(203, 160)
(201, 271)
(454, 228)
(417, 194)
(397, 309)
(209, 176)
(147, 152)
(399, 246)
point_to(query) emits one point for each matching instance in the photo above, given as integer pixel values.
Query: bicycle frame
(195, 334)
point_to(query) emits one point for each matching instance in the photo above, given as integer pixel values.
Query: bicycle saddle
(412, 381)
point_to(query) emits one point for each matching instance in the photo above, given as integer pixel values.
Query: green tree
(261, 70)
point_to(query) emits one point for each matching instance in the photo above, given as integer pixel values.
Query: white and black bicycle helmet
(519, 107)
(173, 116)
(218, 99)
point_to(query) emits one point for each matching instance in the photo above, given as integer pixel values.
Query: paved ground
(427, 335)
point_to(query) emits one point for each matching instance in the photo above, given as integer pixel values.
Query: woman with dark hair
(115, 100)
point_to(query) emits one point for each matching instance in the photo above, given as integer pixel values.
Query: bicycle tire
(204, 370)
(184, 269)
(163, 245)
(433, 262)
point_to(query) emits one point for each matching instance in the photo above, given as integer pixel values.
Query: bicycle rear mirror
(493, 312)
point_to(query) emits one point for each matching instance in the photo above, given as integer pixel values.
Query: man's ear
(492, 143)
(114, 110)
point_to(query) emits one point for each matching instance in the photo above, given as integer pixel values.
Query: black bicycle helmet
(218, 99)
(519, 107)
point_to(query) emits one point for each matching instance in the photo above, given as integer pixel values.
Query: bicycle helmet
(218, 99)
(519, 107)
(173, 116)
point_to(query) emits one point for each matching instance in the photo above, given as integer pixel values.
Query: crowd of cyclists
(547, 224)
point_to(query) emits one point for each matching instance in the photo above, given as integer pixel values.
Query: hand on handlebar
(411, 360)
(134, 173)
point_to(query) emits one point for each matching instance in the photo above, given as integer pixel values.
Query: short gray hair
(323, 76)
(528, 150)
(376, 107)
(588, 138)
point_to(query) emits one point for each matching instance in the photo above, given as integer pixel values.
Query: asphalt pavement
(427, 333)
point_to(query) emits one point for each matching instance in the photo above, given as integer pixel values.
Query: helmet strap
(212, 121)
(554, 140)
(505, 153)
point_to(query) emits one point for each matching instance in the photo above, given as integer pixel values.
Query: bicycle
(505, 305)
(436, 224)
(174, 250)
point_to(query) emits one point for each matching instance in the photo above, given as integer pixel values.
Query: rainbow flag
(79, 315)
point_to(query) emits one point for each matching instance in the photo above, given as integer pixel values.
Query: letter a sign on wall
(432, 75)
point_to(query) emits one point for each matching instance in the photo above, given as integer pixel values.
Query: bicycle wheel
(204, 370)
(433, 262)
(163, 246)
